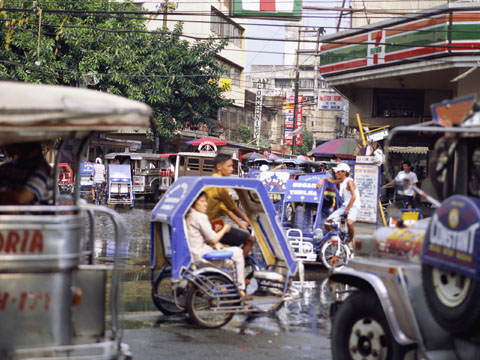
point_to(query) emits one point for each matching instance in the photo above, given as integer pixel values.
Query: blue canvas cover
(309, 201)
(119, 173)
(179, 198)
(452, 241)
(86, 168)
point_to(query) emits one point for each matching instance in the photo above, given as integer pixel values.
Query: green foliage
(307, 143)
(243, 133)
(112, 52)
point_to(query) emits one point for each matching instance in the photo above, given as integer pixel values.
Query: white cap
(342, 167)
(98, 160)
(264, 167)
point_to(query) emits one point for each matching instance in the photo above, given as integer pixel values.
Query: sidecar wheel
(452, 300)
(327, 251)
(205, 309)
(360, 330)
(162, 287)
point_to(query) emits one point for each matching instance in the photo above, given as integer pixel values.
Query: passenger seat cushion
(218, 255)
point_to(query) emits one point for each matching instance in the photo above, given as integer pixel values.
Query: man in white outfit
(409, 178)
(350, 195)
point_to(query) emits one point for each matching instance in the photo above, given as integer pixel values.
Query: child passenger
(201, 239)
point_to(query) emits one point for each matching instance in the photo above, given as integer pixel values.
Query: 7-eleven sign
(286, 9)
(376, 47)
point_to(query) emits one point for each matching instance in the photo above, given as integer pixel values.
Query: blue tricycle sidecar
(305, 208)
(207, 288)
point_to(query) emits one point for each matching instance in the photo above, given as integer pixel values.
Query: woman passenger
(201, 239)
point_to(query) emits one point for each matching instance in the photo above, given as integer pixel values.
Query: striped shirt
(33, 174)
(98, 173)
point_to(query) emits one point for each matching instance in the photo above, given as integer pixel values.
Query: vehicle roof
(33, 112)
(138, 156)
(201, 154)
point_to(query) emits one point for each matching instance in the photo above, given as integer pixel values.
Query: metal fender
(363, 280)
(155, 180)
(211, 270)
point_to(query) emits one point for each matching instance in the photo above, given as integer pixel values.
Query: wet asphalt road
(299, 329)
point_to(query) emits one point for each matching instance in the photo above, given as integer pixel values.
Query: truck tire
(452, 300)
(360, 330)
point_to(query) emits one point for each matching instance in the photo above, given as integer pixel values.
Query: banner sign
(289, 120)
(329, 101)
(270, 9)
(258, 110)
(367, 180)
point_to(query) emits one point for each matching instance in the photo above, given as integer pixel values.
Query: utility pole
(165, 13)
(295, 104)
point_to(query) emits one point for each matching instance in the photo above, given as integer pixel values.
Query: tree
(307, 143)
(244, 133)
(104, 45)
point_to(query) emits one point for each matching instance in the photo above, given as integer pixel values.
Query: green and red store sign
(450, 33)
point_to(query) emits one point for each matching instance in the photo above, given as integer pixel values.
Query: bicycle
(100, 197)
(332, 247)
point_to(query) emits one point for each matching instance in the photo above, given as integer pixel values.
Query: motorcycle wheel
(452, 300)
(201, 305)
(327, 251)
(360, 330)
(162, 287)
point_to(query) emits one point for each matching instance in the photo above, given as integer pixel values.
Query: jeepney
(150, 173)
(417, 290)
(197, 164)
(53, 296)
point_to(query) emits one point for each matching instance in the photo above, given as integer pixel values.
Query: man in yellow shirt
(220, 202)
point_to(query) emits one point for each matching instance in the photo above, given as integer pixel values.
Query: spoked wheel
(360, 331)
(205, 309)
(162, 291)
(327, 254)
(452, 299)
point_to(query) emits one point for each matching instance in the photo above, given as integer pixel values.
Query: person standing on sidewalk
(409, 178)
(220, 203)
(350, 195)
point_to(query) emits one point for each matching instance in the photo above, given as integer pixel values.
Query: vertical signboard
(258, 111)
(289, 118)
(367, 180)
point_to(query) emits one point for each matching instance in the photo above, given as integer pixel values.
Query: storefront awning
(409, 149)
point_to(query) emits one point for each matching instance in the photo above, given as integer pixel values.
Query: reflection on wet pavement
(306, 314)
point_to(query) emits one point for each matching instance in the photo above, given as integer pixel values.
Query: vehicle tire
(155, 194)
(327, 251)
(360, 330)
(200, 305)
(162, 286)
(452, 300)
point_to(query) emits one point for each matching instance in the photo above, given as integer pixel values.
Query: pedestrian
(408, 178)
(221, 204)
(98, 177)
(350, 195)
(26, 179)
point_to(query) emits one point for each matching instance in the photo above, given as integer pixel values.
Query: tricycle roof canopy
(32, 112)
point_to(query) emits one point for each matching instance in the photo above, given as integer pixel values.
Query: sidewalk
(364, 229)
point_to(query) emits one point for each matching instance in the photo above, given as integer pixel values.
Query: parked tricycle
(53, 296)
(65, 179)
(119, 185)
(417, 290)
(208, 288)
